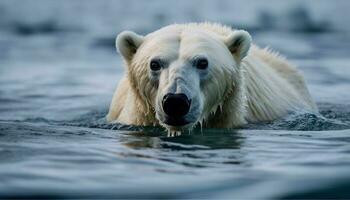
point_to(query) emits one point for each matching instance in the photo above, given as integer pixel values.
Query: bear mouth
(172, 121)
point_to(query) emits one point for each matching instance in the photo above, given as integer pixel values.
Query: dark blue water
(58, 71)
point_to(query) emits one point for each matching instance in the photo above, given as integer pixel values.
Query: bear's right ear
(127, 43)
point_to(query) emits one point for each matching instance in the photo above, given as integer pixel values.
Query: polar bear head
(183, 74)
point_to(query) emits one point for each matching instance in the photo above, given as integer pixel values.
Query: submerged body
(214, 77)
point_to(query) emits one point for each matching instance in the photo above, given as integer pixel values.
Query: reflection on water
(195, 140)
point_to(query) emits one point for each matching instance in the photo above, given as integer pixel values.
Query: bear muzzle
(176, 106)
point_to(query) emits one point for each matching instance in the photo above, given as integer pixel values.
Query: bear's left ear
(127, 43)
(239, 43)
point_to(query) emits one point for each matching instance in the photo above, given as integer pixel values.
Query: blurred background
(59, 49)
(59, 69)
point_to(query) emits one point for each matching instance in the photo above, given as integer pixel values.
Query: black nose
(176, 105)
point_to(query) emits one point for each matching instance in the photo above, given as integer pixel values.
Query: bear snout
(176, 105)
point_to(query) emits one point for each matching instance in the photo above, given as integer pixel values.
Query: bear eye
(155, 65)
(201, 63)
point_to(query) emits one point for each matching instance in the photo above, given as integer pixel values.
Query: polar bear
(203, 74)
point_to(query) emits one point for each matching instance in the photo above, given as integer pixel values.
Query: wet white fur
(244, 86)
